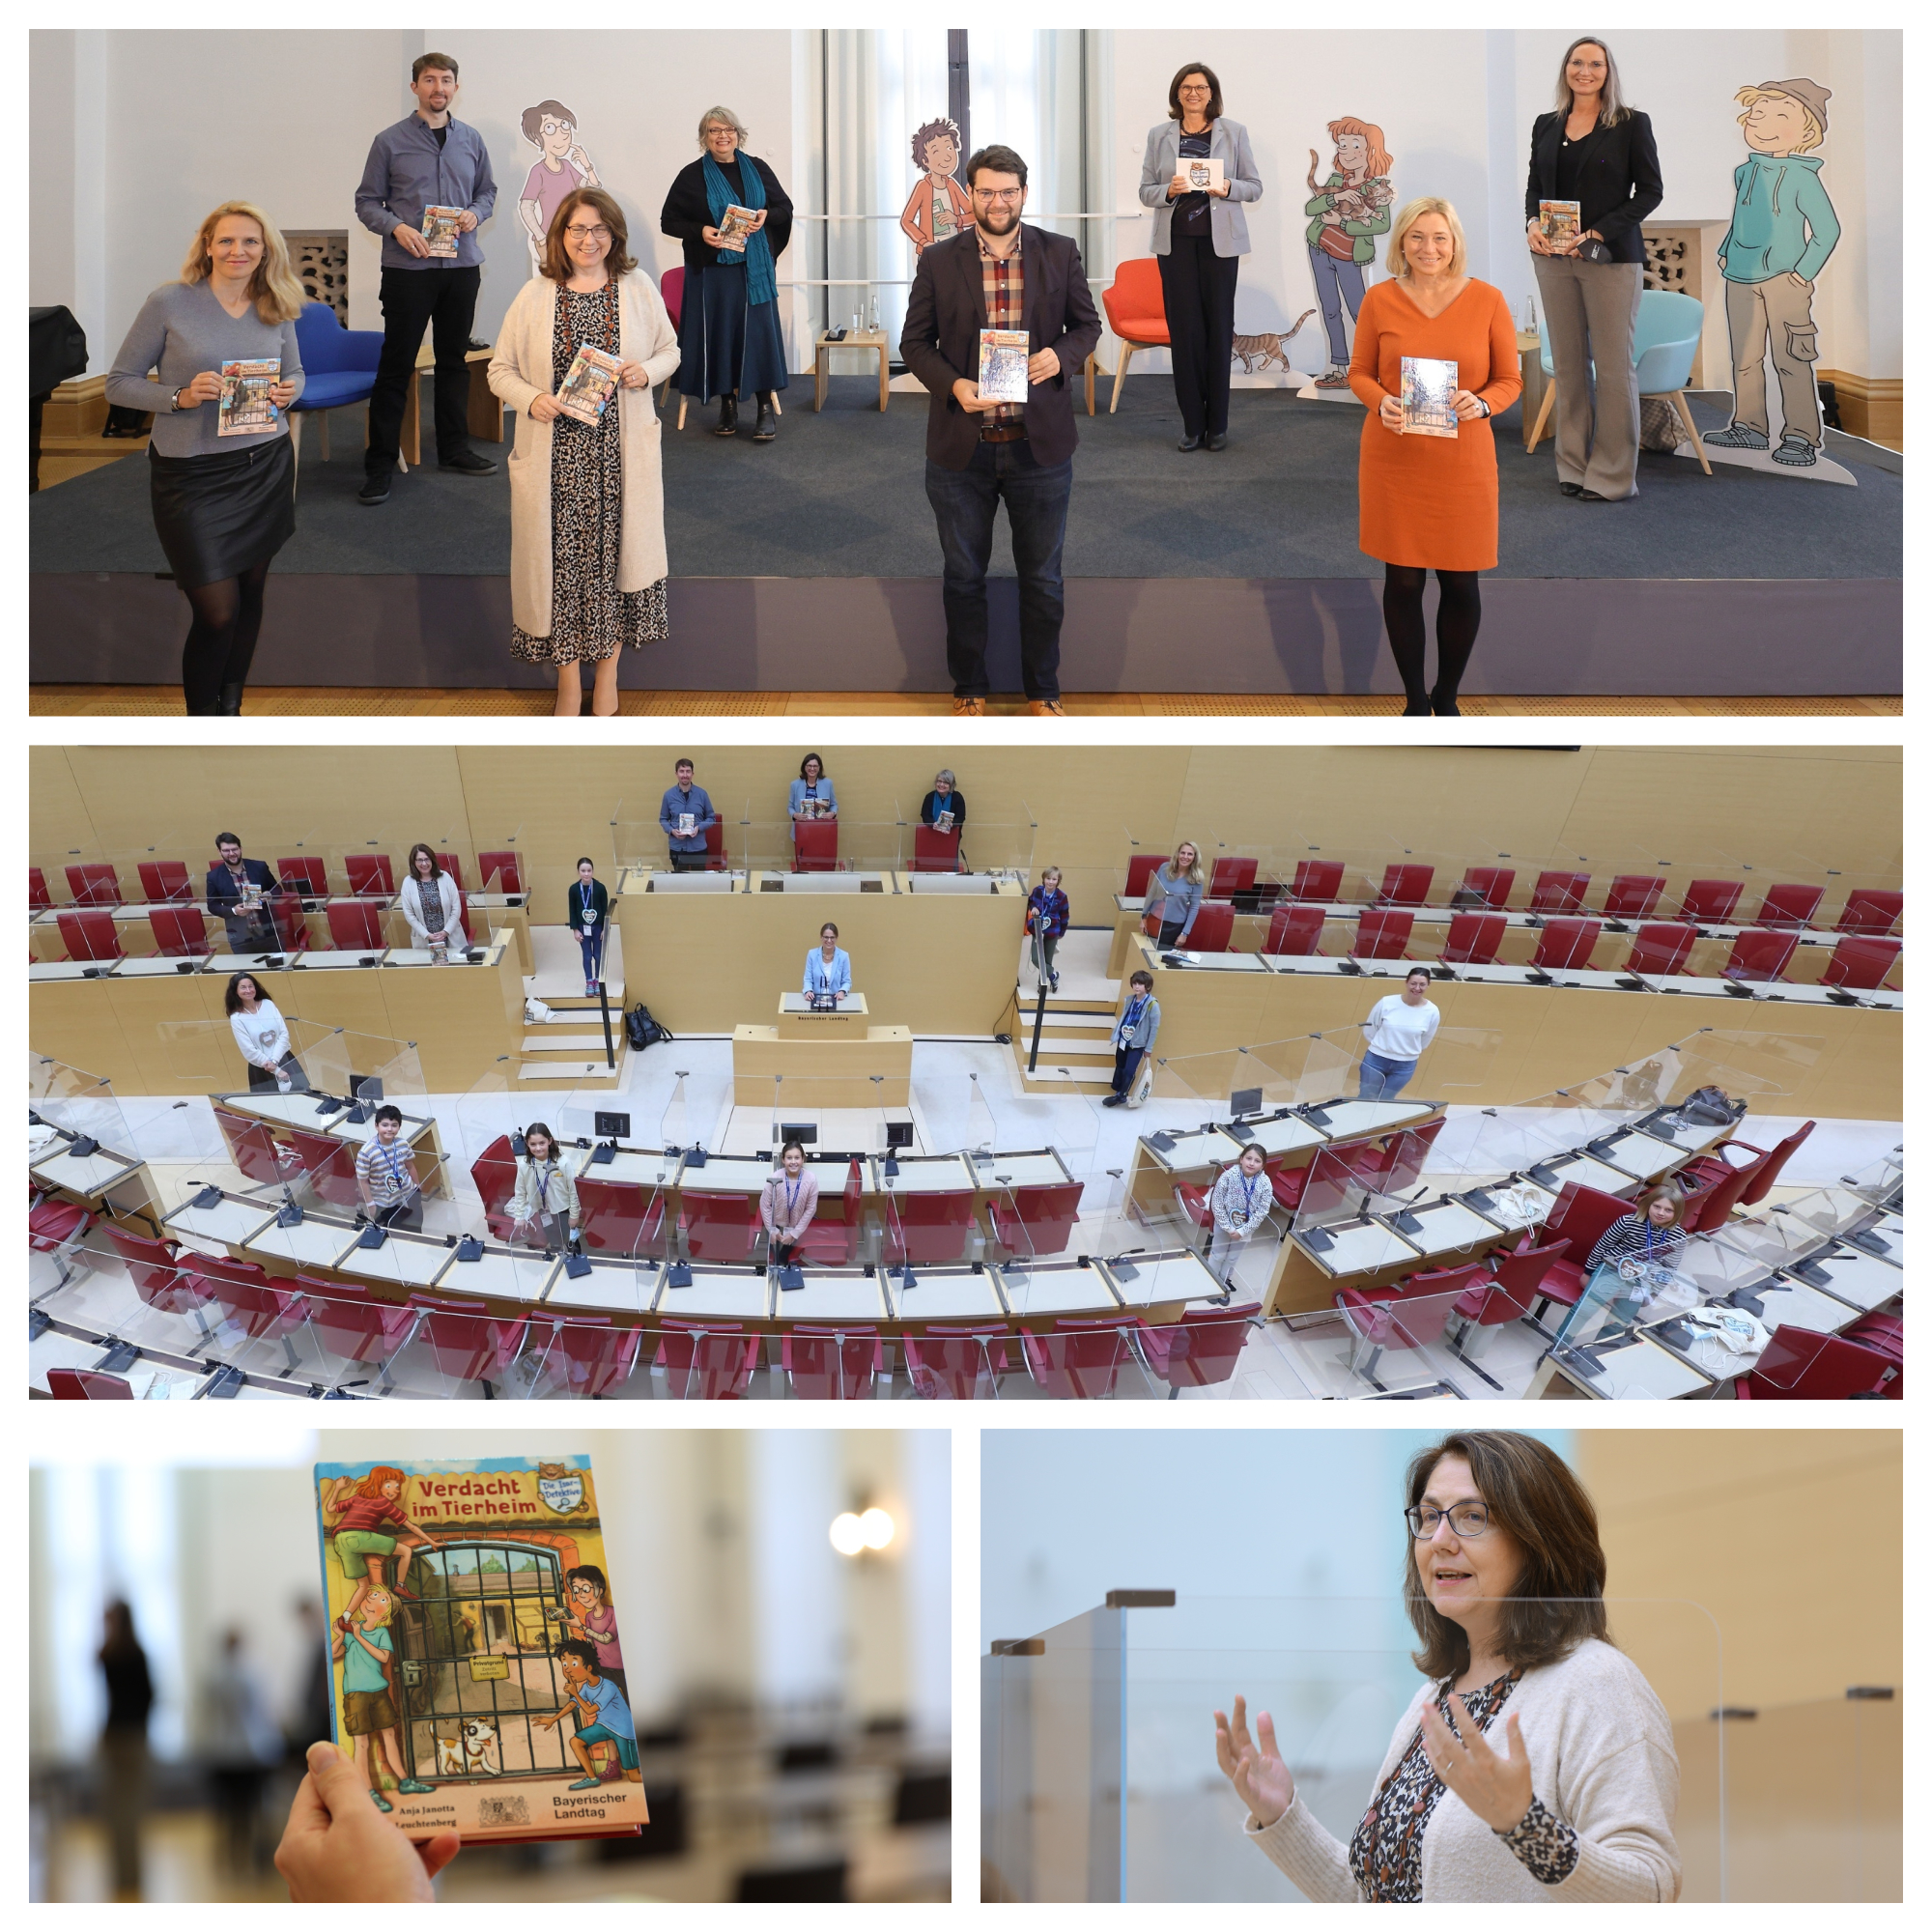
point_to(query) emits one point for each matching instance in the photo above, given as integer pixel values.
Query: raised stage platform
(810, 563)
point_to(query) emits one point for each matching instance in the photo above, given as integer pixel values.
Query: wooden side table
(873, 339)
(486, 407)
(1534, 382)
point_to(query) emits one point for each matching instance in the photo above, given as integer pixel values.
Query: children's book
(439, 229)
(1003, 364)
(476, 1674)
(736, 226)
(588, 384)
(1560, 221)
(246, 407)
(1427, 386)
(1204, 173)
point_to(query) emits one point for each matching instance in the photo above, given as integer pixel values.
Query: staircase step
(1064, 1049)
(556, 1040)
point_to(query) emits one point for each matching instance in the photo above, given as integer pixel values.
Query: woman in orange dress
(1429, 502)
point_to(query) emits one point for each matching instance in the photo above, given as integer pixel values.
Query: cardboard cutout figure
(1782, 232)
(937, 207)
(1347, 211)
(561, 167)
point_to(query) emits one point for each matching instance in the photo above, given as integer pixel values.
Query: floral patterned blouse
(1385, 1853)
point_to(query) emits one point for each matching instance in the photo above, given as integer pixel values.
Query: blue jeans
(592, 945)
(964, 502)
(1336, 282)
(1383, 1079)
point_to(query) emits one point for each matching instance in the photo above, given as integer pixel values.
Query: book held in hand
(439, 229)
(736, 226)
(247, 409)
(475, 1671)
(1560, 221)
(1203, 172)
(1003, 364)
(1426, 388)
(588, 384)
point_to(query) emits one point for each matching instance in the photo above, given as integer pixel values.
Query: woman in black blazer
(1597, 151)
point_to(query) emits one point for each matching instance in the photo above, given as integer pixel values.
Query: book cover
(1203, 172)
(1427, 386)
(246, 407)
(735, 227)
(588, 384)
(1560, 221)
(439, 229)
(475, 1671)
(1003, 364)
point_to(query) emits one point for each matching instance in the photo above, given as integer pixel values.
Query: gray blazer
(1228, 226)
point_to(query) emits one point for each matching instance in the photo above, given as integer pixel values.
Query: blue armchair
(1663, 348)
(338, 368)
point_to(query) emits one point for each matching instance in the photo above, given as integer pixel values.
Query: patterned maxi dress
(589, 617)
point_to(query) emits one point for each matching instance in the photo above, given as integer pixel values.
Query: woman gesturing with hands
(1535, 1764)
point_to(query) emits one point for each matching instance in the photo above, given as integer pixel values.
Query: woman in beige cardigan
(1537, 1764)
(588, 563)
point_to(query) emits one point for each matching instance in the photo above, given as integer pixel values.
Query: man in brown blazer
(999, 274)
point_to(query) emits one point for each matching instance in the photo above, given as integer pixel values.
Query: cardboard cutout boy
(1782, 232)
(938, 208)
(560, 168)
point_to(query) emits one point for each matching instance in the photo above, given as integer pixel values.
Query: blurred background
(790, 1681)
(1755, 1576)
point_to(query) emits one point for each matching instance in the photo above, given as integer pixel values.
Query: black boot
(768, 419)
(231, 701)
(727, 416)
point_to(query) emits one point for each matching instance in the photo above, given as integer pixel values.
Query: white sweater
(416, 909)
(1398, 1031)
(263, 1036)
(1603, 1762)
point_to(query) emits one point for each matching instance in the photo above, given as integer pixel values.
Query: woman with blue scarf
(729, 325)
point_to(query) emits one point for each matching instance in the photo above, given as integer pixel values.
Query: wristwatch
(174, 400)
(1484, 406)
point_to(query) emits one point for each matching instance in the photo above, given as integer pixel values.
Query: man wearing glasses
(428, 159)
(999, 274)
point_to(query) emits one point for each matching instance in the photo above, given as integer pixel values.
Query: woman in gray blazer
(1200, 235)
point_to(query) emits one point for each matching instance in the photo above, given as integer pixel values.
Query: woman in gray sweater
(225, 504)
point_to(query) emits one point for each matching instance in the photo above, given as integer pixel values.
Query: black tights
(221, 641)
(1458, 617)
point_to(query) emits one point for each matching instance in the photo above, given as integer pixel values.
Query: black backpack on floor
(642, 1031)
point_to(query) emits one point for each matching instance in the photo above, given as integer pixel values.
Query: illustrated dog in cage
(471, 1753)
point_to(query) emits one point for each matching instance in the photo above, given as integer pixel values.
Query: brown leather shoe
(1046, 707)
(969, 707)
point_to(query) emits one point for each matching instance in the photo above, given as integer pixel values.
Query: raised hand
(1253, 1766)
(1496, 1789)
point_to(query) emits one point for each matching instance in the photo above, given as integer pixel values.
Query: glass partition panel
(1881, 1181)
(77, 1104)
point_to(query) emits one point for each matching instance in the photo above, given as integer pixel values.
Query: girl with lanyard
(789, 1202)
(545, 1203)
(590, 915)
(1240, 1202)
(1649, 1241)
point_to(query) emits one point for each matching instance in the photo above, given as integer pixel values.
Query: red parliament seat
(1141, 867)
(355, 926)
(589, 1356)
(1505, 1294)
(1633, 896)
(291, 923)
(250, 1146)
(88, 1386)
(957, 1364)
(501, 871)
(1490, 884)
(1861, 965)
(1395, 1323)
(1559, 891)
(1231, 876)
(467, 1344)
(1213, 927)
(834, 1243)
(452, 863)
(164, 881)
(1474, 938)
(1710, 1207)
(1799, 1365)
(1200, 1350)
(371, 876)
(1759, 956)
(1295, 931)
(1383, 935)
(39, 899)
(1579, 1217)
(1713, 1169)
(180, 933)
(1711, 901)
(1789, 905)
(831, 1364)
(1396, 1165)
(90, 936)
(143, 1257)
(814, 845)
(719, 1227)
(1318, 881)
(1566, 945)
(935, 851)
(618, 1217)
(55, 1226)
(714, 847)
(94, 885)
(353, 1321)
(329, 1166)
(708, 1361)
(1080, 1360)
(927, 1227)
(1037, 1220)
(1406, 885)
(306, 877)
(1661, 949)
(1871, 911)
(494, 1173)
(1195, 1204)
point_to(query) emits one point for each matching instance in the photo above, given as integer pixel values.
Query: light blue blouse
(819, 978)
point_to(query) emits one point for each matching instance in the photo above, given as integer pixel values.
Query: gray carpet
(840, 495)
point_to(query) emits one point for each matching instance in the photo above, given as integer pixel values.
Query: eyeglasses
(1197, 87)
(1006, 194)
(1467, 1520)
(575, 234)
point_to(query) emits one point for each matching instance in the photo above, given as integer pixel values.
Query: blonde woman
(223, 505)
(1428, 502)
(589, 569)
(1175, 894)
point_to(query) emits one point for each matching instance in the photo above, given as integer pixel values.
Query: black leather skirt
(219, 515)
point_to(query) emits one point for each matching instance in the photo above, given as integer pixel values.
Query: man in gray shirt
(429, 160)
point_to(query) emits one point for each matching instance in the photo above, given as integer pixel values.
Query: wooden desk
(486, 407)
(850, 1019)
(117, 1182)
(873, 341)
(825, 1059)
